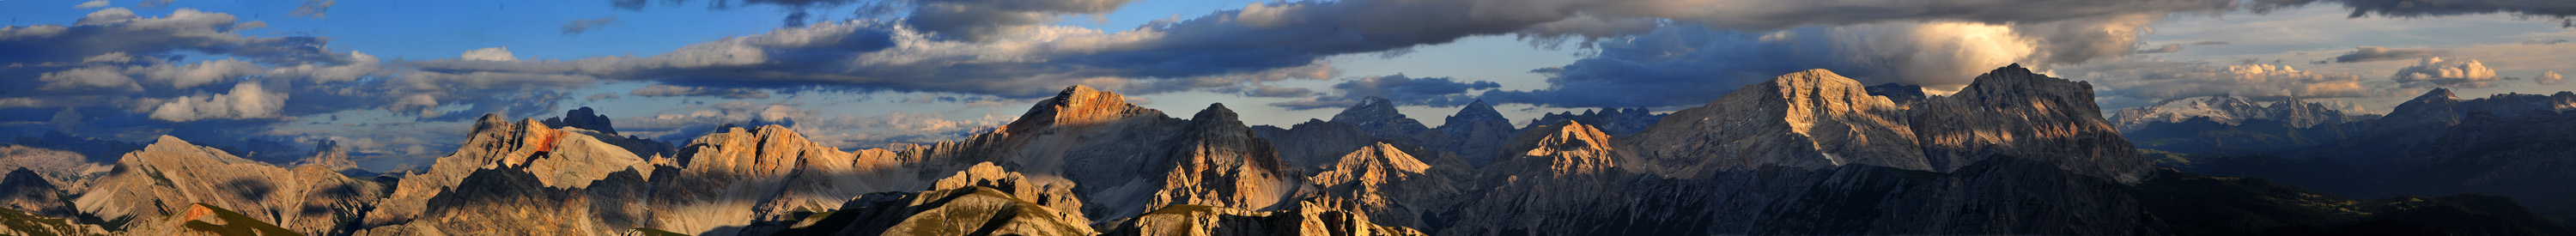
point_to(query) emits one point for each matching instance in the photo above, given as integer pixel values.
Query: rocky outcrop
(1388, 185)
(1130, 159)
(1476, 132)
(171, 173)
(567, 158)
(2014, 112)
(329, 155)
(14, 222)
(1305, 219)
(770, 173)
(1812, 119)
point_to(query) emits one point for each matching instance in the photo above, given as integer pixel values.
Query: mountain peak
(1811, 119)
(1077, 105)
(1379, 117)
(1564, 148)
(1216, 112)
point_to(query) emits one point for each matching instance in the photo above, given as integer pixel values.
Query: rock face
(1305, 219)
(1131, 159)
(171, 173)
(556, 158)
(1564, 170)
(1476, 132)
(1812, 119)
(1386, 184)
(2014, 112)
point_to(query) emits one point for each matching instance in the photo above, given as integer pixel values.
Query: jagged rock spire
(1077, 105)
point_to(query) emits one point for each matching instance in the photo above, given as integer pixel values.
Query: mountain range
(1806, 153)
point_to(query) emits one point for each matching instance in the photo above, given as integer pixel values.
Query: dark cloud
(585, 25)
(1427, 91)
(2543, 41)
(2213, 42)
(2369, 54)
(602, 96)
(676, 91)
(2433, 8)
(1279, 92)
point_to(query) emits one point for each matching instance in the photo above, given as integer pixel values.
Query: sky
(400, 83)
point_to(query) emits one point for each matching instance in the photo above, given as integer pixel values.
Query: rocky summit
(1807, 153)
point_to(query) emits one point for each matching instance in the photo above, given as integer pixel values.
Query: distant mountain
(1615, 121)
(2231, 125)
(1810, 153)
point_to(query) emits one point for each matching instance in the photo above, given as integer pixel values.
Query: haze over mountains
(1812, 152)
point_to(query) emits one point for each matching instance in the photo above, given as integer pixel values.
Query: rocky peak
(1566, 148)
(1810, 119)
(1616, 121)
(1375, 164)
(1476, 112)
(2014, 112)
(330, 155)
(1077, 105)
(24, 190)
(583, 118)
(1379, 117)
(1476, 132)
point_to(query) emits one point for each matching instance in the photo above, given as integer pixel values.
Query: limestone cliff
(1388, 185)
(1304, 219)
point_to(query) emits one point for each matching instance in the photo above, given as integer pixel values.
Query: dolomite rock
(1305, 219)
(1386, 184)
(171, 174)
(1812, 119)
(2012, 111)
(1476, 132)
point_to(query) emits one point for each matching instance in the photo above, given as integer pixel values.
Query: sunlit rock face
(161, 180)
(1131, 159)
(1302, 219)
(1812, 119)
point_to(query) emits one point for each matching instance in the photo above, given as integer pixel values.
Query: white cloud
(245, 101)
(489, 54)
(2549, 78)
(92, 4)
(2159, 80)
(2435, 72)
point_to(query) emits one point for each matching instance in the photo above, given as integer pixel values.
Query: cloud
(489, 54)
(313, 8)
(2168, 48)
(1427, 91)
(2544, 41)
(118, 30)
(2432, 8)
(2368, 54)
(579, 26)
(989, 20)
(2161, 80)
(92, 4)
(2435, 72)
(2212, 42)
(245, 101)
(2549, 78)
(1279, 92)
(601, 96)
(673, 91)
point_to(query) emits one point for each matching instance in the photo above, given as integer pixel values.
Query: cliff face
(163, 178)
(1313, 145)
(556, 158)
(1132, 159)
(1388, 185)
(2014, 112)
(1811, 119)
(983, 200)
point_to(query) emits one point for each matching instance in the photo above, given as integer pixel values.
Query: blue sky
(405, 91)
